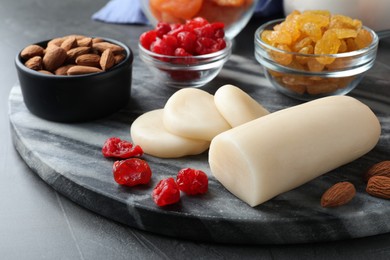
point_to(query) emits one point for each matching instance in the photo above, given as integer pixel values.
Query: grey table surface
(38, 223)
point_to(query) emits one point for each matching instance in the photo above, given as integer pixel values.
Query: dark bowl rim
(260, 43)
(128, 59)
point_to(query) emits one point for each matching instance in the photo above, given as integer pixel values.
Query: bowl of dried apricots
(235, 14)
(314, 53)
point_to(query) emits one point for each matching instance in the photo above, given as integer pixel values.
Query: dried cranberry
(161, 47)
(192, 181)
(196, 22)
(187, 41)
(166, 192)
(131, 172)
(162, 29)
(117, 148)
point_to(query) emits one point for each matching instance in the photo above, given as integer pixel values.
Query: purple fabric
(129, 11)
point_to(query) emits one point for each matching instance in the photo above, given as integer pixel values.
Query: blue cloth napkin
(130, 12)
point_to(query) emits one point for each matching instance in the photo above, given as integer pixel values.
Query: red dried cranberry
(147, 38)
(117, 148)
(166, 192)
(170, 41)
(192, 181)
(161, 47)
(162, 28)
(131, 172)
(196, 22)
(187, 41)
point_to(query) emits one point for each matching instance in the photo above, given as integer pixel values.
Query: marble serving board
(68, 158)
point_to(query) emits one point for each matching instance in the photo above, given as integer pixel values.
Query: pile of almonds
(378, 185)
(73, 55)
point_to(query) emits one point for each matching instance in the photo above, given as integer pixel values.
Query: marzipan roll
(265, 157)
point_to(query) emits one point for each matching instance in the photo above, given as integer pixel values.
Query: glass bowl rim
(259, 42)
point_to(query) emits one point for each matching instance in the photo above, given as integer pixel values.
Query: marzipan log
(283, 150)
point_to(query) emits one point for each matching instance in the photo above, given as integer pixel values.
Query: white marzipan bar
(285, 149)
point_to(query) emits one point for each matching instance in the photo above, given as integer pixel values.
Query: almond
(88, 60)
(102, 46)
(119, 58)
(85, 42)
(54, 58)
(75, 52)
(63, 70)
(339, 194)
(378, 169)
(56, 42)
(31, 51)
(107, 59)
(69, 43)
(80, 70)
(45, 72)
(379, 186)
(96, 40)
(34, 63)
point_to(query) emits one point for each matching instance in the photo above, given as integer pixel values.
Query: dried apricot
(183, 9)
(234, 3)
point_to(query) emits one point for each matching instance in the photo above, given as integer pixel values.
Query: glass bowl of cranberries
(235, 14)
(185, 55)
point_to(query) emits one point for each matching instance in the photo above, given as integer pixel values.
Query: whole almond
(85, 42)
(102, 46)
(107, 59)
(77, 36)
(56, 41)
(75, 52)
(34, 63)
(63, 70)
(69, 43)
(31, 51)
(80, 70)
(45, 72)
(54, 58)
(119, 57)
(88, 60)
(378, 169)
(339, 194)
(97, 39)
(379, 186)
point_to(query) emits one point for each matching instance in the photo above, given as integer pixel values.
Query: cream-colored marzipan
(192, 113)
(149, 132)
(236, 106)
(283, 150)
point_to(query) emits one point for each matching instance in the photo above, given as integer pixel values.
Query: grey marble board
(68, 158)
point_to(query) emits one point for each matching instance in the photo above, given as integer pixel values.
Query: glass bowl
(235, 17)
(301, 79)
(180, 72)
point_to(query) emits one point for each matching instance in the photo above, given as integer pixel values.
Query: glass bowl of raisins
(189, 55)
(235, 14)
(313, 54)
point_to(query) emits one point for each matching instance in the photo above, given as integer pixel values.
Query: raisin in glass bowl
(234, 14)
(185, 71)
(310, 76)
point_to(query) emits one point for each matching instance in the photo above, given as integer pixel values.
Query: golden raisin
(329, 44)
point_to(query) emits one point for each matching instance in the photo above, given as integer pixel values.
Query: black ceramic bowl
(76, 98)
